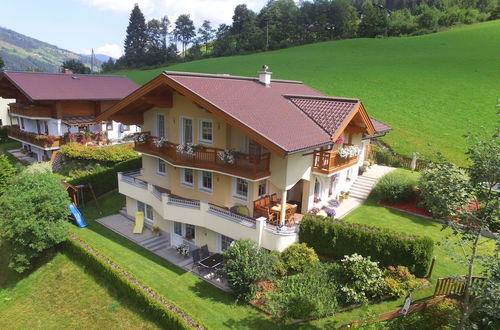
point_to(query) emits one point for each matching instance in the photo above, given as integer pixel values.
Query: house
(5, 119)
(52, 109)
(223, 156)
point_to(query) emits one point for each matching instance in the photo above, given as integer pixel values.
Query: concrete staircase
(362, 187)
(156, 243)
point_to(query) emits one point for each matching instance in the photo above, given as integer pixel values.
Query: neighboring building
(5, 119)
(221, 144)
(52, 109)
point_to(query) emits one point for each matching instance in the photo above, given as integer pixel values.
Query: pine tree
(1, 63)
(206, 33)
(184, 31)
(135, 42)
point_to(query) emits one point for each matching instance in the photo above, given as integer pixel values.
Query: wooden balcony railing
(328, 162)
(251, 166)
(31, 111)
(43, 141)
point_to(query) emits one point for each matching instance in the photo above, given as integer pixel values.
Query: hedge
(107, 154)
(157, 311)
(106, 180)
(336, 239)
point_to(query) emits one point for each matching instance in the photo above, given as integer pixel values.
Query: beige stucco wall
(4, 113)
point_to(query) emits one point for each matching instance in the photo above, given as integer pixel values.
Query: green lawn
(9, 145)
(431, 89)
(62, 295)
(216, 308)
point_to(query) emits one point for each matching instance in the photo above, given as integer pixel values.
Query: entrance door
(181, 232)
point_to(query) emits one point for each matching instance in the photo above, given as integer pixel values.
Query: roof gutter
(329, 144)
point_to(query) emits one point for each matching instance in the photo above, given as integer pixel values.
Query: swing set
(77, 194)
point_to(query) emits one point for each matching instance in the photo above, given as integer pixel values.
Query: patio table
(213, 261)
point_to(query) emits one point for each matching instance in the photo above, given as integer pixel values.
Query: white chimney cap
(265, 76)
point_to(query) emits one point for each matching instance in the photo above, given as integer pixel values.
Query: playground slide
(77, 215)
(139, 222)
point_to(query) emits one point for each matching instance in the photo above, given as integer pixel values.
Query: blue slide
(77, 215)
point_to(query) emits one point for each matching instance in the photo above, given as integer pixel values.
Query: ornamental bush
(333, 238)
(33, 215)
(399, 281)
(444, 189)
(107, 154)
(247, 264)
(298, 257)
(396, 187)
(7, 173)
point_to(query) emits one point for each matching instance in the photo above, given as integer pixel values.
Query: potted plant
(155, 230)
(346, 195)
(183, 250)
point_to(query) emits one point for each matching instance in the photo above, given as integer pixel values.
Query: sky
(80, 25)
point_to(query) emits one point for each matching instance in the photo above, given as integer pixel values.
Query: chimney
(68, 71)
(265, 76)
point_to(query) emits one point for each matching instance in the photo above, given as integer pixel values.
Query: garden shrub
(305, 295)
(33, 215)
(298, 257)
(444, 188)
(396, 187)
(399, 281)
(107, 154)
(164, 316)
(7, 173)
(106, 180)
(247, 264)
(361, 279)
(333, 238)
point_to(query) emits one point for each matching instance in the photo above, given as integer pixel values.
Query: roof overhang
(359, 109)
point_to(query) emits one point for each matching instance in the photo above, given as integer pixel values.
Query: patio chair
(204, 252)
(290, 213)
(267, 201)
(196, 253)
(274, 198)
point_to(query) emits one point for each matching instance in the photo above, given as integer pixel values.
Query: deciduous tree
(75, 66)
(184, 31)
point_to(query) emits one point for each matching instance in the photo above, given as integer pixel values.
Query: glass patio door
(187, 130)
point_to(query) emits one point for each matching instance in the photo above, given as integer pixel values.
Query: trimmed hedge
(108, 154)
(106, 181)
(396, 186)
(165, 317)
(337, 239)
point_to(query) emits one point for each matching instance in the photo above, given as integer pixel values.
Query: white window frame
(221, 237)
(201, 187)
(147, 209)
(158, 115)
(200, 131)
(183, 175)
(158, 167)
(182, 139)
(235, 189)
(264, 182)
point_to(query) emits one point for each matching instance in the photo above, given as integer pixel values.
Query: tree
(156, 46)
(184, 31)
(2, 64)
(206, 33)
(108, 66)
(247, 35)
(75, 66)
(344, 19)
(135, 41)
(33, 215)
(477, 211)
(7, 173)
(374, 21)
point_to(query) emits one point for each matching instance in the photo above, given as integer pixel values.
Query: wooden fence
(456, 285)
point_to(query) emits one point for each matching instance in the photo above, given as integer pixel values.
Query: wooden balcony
(207, 158)
(31, 111)
(42, 141)
(328, 162)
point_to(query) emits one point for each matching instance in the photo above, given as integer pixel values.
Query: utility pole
(267, 34)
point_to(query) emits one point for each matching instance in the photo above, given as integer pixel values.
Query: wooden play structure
(76, 194)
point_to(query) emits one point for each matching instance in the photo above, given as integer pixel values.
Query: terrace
(250, 166)
(328, 162)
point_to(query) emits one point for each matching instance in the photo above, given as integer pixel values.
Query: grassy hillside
(20, 52)
(63, 295)
(431, 89)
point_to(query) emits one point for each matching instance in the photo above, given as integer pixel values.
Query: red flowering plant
(340, 140)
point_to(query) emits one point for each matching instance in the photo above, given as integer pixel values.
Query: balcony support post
(283, 207)
(260, 223)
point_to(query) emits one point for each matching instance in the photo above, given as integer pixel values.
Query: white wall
(4, 113)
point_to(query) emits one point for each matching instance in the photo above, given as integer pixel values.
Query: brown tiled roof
(79, 120)
(380, 127)
(328, 112)
(53, 86)
(263, 109)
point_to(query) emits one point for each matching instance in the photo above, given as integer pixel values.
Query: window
(187, 177)
(178, 228)
(109, 126)
(187, 130)
(160, 125)
(262, 188)
(206, 131)
(206, 181)
(146, 209)
(126, 127)
(241, 189)
(162, 168)
(225, 242)
(22, 123)
(46, 125)
(317, 188)
(189, 232)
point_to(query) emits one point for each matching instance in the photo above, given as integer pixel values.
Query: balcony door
(186, 130)
(160, 125)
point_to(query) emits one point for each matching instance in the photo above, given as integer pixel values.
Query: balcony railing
(43, 141)
(31, 111)
(328, 162)
(252, 166)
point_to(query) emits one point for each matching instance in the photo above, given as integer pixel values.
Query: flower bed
(410, 206)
